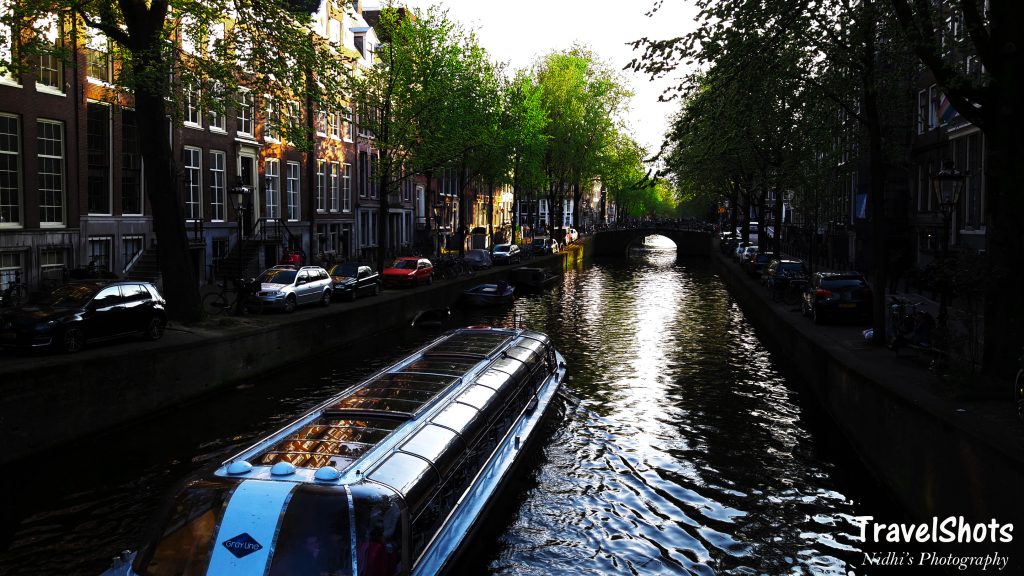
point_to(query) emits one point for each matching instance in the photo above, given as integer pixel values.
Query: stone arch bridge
(616, 241)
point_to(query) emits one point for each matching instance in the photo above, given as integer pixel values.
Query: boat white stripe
(352, 529)
(250, 521)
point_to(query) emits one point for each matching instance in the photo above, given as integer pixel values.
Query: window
(51, 265)
(50, 73)
(50, 140)
(97, 56)
(334, 175)
(933, 107)
(10, 170)
(346, 188)
(321, 123)
(321, 185)
(10, 268)
(374, 178)
(193, 115)
(193, 182)
(363, 168)
(99, 252)
(334, 31)
(293, 191)
(217, 119)
(272, 126)
(217, 183)
(334, 121)
(131, 246)
(367, 228)
(131, 165)
(273, 170)
(922, 111)
(98, 157)
(349, 126)
(246, 111)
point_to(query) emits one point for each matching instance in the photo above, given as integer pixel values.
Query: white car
(288, 287)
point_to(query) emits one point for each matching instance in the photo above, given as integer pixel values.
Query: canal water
(689, 451)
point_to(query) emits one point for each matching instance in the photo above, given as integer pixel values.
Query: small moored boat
(533, 278)
(390, 477)
(498, 294)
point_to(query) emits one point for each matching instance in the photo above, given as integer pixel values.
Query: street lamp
(239, 196)
(947, 185)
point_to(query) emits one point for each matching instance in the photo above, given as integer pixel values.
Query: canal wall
(939, 456)
(47, 401)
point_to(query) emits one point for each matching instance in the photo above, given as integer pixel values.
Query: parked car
(478, 259)
(506, 254)
(831, 295)
(757, 263)
(81, 312)
(288, 287)
(543, 245)
(409, 271)
(743, 254)
(781, 271)
(349, 281)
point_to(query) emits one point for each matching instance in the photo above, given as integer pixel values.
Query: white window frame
(294, 190)
(245, 114)
(13, 194)
(321, 185)
(142, 167)
(192, 182)
(109, 145)
(193, 113)
(334, 183)
(272, 176)
(218, 185)
(272, 123)
(346, 187)
(105, 252)
(53, 32)
(58, 194)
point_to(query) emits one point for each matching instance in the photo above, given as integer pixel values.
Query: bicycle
(15, 293)
(239, 299)
(909, 324)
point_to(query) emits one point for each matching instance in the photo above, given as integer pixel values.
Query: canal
(689, 451)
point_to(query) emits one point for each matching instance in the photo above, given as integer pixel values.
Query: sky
(518, 32)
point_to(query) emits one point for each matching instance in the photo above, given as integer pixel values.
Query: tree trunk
(162, 187)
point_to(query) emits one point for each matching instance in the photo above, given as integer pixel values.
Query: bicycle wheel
(215, 303)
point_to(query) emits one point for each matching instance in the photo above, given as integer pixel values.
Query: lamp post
(438, 212)
(239, 195)
(947, 185)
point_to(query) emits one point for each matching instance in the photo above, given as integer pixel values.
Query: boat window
(522, 354)
(329, 441)
(493, 379)
(477, 396)
(410, 475)
(439, 445)
(474, 343)
(379, 534)
(462, 419)
(187, 535)
(315, 535)
(510, 366)
(397, 392)
(448, 366)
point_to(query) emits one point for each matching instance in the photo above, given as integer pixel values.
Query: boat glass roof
(472, 343)
(328, 440)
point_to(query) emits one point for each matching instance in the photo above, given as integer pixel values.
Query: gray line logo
(242, 545)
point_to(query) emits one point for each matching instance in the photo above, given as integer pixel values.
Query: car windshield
(349, 270)
(71, 295)
(501, 248)
(278, 277)
(404, 264)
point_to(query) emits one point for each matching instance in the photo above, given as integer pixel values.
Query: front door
(247, 177)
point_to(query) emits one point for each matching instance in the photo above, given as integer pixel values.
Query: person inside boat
(375, 557)
(311, 559)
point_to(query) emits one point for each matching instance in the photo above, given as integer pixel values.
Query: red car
(409, 271)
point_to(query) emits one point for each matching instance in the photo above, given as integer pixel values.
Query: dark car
(349, 281)
(781, 271)
(80, 312)
(506, 254)
(833, 295)
(543, 246)
(756, 264)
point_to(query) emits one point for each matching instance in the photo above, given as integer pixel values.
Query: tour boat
(392, 476)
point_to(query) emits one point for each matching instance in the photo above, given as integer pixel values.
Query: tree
(267, 46)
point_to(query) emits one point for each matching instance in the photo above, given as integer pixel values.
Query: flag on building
(946, 112)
